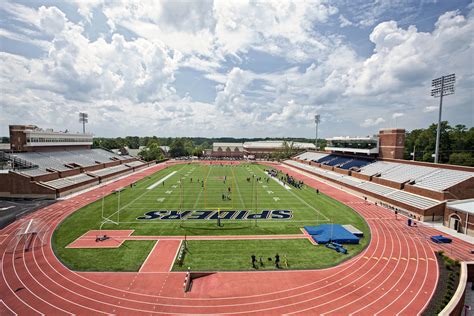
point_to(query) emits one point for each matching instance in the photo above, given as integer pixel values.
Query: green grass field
(178, 193)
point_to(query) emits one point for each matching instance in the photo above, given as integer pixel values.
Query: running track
(395, 274)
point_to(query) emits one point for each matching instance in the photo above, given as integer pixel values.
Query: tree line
(456, 144)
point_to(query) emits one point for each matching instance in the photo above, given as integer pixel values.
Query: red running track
(395, 274)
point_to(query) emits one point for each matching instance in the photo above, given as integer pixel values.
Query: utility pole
(441, 87)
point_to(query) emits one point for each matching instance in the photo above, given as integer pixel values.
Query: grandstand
(377, 168)
(49, 164)
(442, 179)
(311, 156)
(62, 183)
(415, 202)
(343, 162)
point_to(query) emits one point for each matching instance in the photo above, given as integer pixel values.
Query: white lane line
(154, 185)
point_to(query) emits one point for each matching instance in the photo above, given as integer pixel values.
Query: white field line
(280, 182)
(202, 189)
(237, 187)
(154, 185)
(131, 202)
(303, 201)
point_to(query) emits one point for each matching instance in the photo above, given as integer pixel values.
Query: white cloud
(369, 122)
(430, 108)
(132, 74)
(343, 21)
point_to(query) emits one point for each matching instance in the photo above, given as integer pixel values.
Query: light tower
(317, 119)
(83, 118)
(441, 86)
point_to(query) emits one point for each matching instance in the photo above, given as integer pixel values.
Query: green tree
(462, 158)
(177, 148)
(152, 152)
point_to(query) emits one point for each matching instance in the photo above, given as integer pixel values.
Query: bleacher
(43, 160)
(68, 181)
(378, 167)
(403, 173)
(57, 160)
(135, 164)
(397, 195)
(343, 162)
(326, 159)
(435, 179)
(442, 179)
(376, 188)
(110, 170)
(33, 172)
(356, 163)
(311, 156)
(412, 199)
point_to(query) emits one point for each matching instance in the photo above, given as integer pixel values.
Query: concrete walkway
(439, 226)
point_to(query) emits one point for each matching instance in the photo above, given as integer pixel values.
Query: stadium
(322, 232)
(236, 158)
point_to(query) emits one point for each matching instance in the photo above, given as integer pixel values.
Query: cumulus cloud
(131, 71)
(430, 108)
(369, 122)
(344, 21)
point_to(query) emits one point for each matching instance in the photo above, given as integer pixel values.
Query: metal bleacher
(435, 179)
(403, 173)
(394, 194)
(57, 160)
(135, 164)
(443, 179)
(68, 181)
(378, 167)
(311, 156)
(110, 170)
(412, 199)
(43, 160)
(33, 172)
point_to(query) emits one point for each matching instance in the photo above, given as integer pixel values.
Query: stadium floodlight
(441, 87)
(317, 119)
(83, 118)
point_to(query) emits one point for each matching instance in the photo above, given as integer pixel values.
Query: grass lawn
(179, 193)
(129, 257)
(236, 254)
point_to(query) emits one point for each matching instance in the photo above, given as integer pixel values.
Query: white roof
(227, 144)
(354, 138)
(466, 206)
(277, 144)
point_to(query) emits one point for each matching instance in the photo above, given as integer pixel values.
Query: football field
(208, 200)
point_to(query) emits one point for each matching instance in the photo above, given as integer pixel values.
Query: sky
(234, 68)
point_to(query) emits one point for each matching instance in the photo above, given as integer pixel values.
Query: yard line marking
(276, 198)
(270, 192)
(200, 192)
(174, 186)
(304, 202)
(237, 188)
(160, 199)
(154, 185)
(169, 192)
